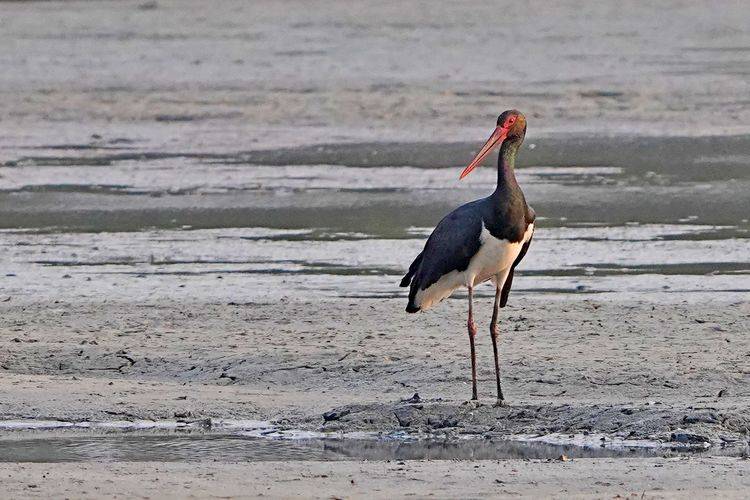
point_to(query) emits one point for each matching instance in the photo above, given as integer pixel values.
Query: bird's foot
(501, 403)
(472, 403)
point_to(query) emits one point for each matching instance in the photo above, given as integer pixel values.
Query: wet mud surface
(571, 366)
(233, 448)
(246, 290)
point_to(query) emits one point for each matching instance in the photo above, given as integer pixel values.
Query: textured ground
(636, 369)
(604, 478)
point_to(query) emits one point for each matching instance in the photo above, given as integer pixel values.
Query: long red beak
(497, 138)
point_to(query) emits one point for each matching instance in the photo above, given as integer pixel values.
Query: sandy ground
(631, 370)
(635, 369)
(620, 478)
(267, 73)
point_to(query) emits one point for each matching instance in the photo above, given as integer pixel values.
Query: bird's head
(511, 126)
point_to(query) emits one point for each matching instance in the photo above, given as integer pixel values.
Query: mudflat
(205, 214)
(584, 478)
(570, 366)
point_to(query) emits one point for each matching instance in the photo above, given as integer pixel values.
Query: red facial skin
(500, 133)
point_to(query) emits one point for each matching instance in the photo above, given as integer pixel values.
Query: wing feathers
(509, 280)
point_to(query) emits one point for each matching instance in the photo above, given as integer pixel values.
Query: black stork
(479, 241)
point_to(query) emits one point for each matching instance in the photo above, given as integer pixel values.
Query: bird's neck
(506, 162)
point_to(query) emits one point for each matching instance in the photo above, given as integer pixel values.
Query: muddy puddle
(181, 447)
(256, 441)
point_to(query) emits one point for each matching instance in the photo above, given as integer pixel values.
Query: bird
(483, 240)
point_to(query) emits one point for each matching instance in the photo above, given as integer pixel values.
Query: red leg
(494, 335)
(472, 333)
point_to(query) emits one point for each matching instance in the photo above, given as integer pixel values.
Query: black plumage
(456, 240)
(492, 227)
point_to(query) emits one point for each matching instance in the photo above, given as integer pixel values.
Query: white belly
(493, 261)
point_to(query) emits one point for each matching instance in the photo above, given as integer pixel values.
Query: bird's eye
(511, 120)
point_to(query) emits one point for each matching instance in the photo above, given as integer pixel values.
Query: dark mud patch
(604, 424)
(696, 159)
(682, 158)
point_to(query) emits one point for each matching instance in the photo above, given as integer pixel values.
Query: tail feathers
(410, 273)
(412, 306)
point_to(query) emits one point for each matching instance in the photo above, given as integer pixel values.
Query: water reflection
(140, 447)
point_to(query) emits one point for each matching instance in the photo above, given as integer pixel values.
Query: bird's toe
(502, 403)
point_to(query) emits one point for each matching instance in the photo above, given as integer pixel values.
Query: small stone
(414, 399)
(687, 438)
(404, 416)
(700, 418)
(442, 423)
(335, 415)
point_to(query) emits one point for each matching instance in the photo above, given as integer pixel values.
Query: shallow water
(254, 440)
(227, 447)
(616, 216)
